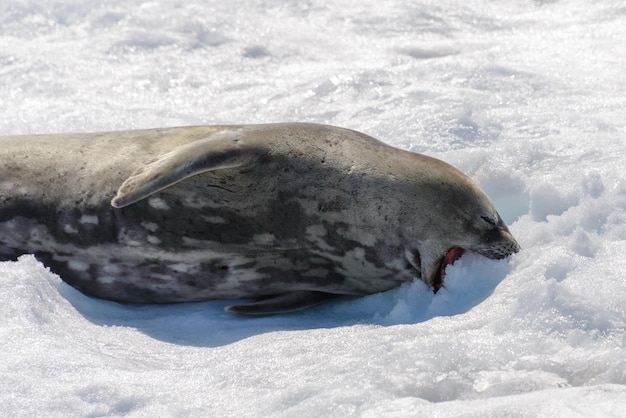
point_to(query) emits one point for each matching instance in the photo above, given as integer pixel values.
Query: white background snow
(527, 97)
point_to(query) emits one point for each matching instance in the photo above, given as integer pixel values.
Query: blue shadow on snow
(470, 281)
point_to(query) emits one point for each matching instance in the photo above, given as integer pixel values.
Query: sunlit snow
(526, 97)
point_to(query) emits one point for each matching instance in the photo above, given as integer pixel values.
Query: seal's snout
(497, 243)
(509, 244)
(515, 247)
(500, 249)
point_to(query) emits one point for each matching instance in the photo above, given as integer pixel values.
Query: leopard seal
(289, 214)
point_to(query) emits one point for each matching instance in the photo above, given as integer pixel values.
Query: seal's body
(293, 213)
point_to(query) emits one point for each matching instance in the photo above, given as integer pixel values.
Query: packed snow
(526, 97)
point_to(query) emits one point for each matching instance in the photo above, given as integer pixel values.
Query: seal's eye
(490, 221)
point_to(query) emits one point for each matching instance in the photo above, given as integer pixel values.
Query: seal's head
(462, 218)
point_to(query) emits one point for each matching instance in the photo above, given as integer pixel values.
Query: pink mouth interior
(453, 254)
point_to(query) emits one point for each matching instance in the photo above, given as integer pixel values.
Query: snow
(528, 98)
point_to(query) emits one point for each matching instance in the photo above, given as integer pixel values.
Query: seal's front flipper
(218, 151)
(288, 302)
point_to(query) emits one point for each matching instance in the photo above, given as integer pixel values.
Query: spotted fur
(294, 213)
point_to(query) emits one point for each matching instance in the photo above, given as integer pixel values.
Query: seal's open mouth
(451, 256)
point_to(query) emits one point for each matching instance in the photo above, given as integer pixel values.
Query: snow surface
(526, 97)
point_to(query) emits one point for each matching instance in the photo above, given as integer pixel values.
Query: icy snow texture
(526, 97)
